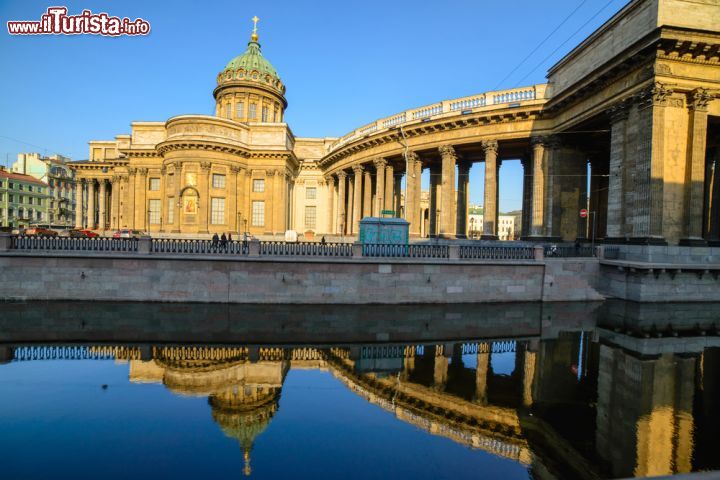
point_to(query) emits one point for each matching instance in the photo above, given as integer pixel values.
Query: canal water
(601, 390)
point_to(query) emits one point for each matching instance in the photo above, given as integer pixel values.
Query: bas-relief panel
(148, 137)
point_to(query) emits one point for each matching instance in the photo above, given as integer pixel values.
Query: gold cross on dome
(255, 19)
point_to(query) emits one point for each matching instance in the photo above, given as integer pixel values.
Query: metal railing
(405, 251)
(482, 252)
(96, 244)
(568, 251)
(306, 249)
(166, 245)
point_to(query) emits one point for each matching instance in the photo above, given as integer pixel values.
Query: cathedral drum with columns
(627, 127)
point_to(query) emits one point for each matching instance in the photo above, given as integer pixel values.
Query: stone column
(91, 204)
(130, 199)
(448, 220)
(357, 198)
(389, 185)
(528, 377)
(141, 207)
(349, 206)
(341, 202)
(490, 208)
(526, 217)
(434, 203)
(616, 230)
(412, 202)
(481, 373)
(552, 186)
(177, 174)
(331, 196)
(397, 203)
(537, 215)
(367, 194)
(102, 199)
(462, 199)
(114, 187)
(78, 202)
(232, 196)
(647, 218)
(380, 165)
(204, 200)
(695, 168)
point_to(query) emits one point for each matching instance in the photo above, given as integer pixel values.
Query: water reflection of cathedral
(632, 395)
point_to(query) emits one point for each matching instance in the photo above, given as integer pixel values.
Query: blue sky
(344, 64)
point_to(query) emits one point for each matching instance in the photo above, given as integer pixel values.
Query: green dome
(251, 60)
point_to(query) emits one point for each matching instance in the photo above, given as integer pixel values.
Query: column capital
(656, 94)
(115, 179)
(163, 170)
(142, 171)
(205, 166)
(698, 99)
(341, 175)
(330, 179)
(235, 169)
(380, 162)
(489, 146)
(357, 169)
(413, 157)
(464, 167)
(132, 170)
(447, 151)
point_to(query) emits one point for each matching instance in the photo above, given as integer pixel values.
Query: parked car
(127, 233)
(40, 232)
(83, 232)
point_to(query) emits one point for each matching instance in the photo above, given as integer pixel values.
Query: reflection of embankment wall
(308, 282)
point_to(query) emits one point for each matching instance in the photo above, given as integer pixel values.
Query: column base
(447, 236)
(713, 243)
(693, 242)
(175, 231)
(647, 241)
(488, 237)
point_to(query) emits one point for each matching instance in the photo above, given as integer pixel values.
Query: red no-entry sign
(583, 212)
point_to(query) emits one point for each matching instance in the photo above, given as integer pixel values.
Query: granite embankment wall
(158, 278)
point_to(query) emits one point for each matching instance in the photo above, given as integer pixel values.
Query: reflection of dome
(243, 414)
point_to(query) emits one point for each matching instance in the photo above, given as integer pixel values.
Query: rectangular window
(264, 114)
(310, 216)
(259, 185)
(154, 212)
(228, 111)
(12, 197)
(171, 210)
(217, 211)
(154, 184)
(239, 109)
(218, 181)
(252, 111)
(258, 214)
(310, 193)
(29, 188)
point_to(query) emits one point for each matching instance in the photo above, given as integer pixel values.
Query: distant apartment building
(506, 227)
(23, 200)
(59, 177)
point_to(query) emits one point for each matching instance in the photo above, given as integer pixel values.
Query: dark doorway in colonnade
(711, 210)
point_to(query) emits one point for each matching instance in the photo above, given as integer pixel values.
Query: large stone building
(57, 174)
(23, 200)
(633, 111)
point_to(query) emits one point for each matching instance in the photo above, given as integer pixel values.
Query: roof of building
(252, 60)
(21, 177)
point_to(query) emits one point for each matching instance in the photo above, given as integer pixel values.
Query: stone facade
(633, 111)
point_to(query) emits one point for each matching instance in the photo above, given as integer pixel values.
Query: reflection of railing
(496, 253)
(62, 352)
(306, 249)
(75, 244)
(407, 251)
(165, 245)
(499, 346)
(458, 106)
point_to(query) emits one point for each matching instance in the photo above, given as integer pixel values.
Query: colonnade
(371, 187)
(93, 199)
